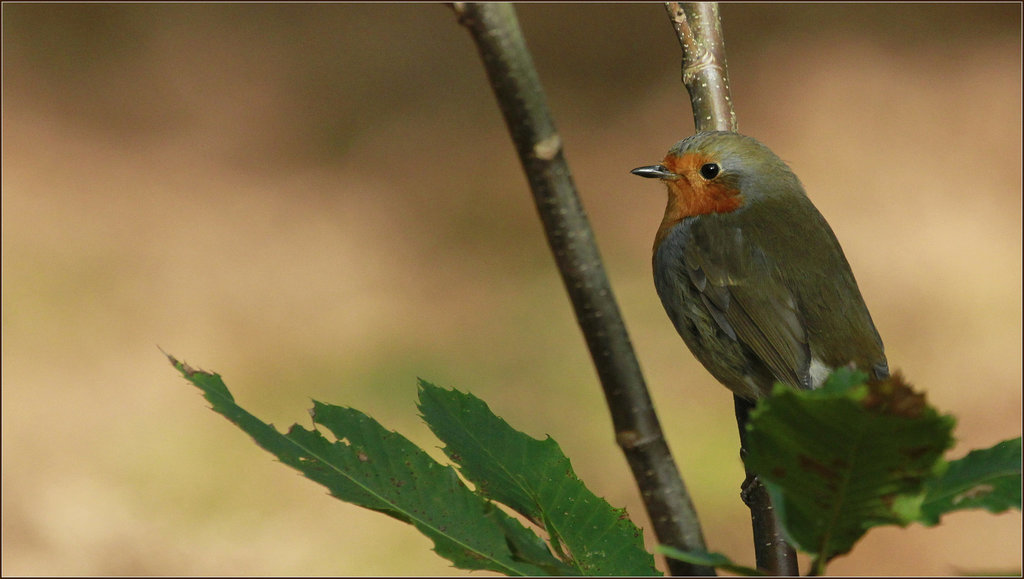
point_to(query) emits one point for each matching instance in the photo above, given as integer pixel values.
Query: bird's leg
(750, 483)
(774, 556)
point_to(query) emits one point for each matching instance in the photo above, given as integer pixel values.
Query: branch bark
(705, 72)
(706, 78)
(514, 80)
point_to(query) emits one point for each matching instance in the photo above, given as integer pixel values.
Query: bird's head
(718, 172)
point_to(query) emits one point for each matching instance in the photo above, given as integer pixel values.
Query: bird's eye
(709, 170)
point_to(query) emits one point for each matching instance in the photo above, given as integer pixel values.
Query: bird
(750, 273)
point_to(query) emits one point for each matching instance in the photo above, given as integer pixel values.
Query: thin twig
(706, 77)
(515, 83)
(705, 72)
(771, 551)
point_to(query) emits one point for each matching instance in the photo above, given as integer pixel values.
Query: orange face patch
(691, 194)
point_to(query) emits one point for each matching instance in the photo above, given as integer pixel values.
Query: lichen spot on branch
(548, 148)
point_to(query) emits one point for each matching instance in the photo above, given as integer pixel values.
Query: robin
(750, 272)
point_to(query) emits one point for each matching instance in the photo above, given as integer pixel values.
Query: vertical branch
(705, 72)
(514, 80)
(706, 77)
(773, 554)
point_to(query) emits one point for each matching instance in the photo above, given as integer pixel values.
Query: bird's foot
(747, 488)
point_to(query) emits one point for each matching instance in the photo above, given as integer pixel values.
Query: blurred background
(321, 201)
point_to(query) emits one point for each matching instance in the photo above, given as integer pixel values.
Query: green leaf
(840, 381)
(379, 469)
(526, 546)
(716, 560)
(534, 478)
(841, 461)
(984, 479)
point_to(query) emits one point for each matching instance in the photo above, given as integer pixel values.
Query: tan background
(321, 201)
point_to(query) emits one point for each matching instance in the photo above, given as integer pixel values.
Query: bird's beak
(654, 172)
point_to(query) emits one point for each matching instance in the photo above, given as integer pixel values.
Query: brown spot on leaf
(813, 465)
(974, 492)
(895, 397)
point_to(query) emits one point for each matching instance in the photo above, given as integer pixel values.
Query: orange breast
(691, 194)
